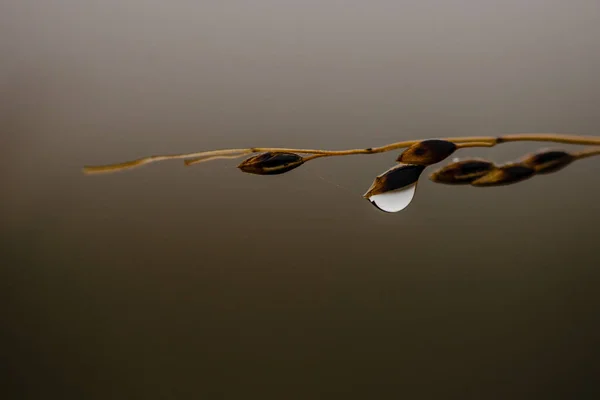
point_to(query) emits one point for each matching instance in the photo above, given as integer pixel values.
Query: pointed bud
(505, 175)
(547, 161)
(462, 172)
(271, 163)
(393, 190)
(427, 152)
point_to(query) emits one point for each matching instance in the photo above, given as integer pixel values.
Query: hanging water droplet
(393, 190)
(394, 200)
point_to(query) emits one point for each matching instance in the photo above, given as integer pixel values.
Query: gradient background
(174, 283)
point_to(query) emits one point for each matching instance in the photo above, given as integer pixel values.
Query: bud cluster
(478, 172)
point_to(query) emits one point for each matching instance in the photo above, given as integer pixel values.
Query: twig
(475, 141)
(593, 151)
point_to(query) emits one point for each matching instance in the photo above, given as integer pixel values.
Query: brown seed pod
(547, 161)
(427, 152)
(505, 175)
(462, 172)
(393, 190)
(271, 163)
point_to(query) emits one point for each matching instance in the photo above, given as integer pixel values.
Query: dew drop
(394, 200)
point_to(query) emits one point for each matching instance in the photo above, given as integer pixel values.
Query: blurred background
(167, 282)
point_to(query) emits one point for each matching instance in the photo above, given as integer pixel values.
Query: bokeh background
(168, 282)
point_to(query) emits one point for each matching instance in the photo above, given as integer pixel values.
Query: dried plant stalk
(461, 142)
(593, 151)
(393, 190)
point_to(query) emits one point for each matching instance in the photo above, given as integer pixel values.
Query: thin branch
(475, 141)
(199, 160)
(592, 151)
(475, 144)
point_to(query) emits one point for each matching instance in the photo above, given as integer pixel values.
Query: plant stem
(203, 159)
(593, 151)
(475, 144)
(464, 141)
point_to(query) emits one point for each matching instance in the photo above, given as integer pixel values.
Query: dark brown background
(173, 283)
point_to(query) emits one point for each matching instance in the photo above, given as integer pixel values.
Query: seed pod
(393, 190)
(271, 163)
(505, 175)
(462, 172)
(547, 161)
(427, 152)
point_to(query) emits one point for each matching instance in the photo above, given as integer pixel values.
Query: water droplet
(394, 200)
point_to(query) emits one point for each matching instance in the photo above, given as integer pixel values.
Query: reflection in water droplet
(395, 200)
